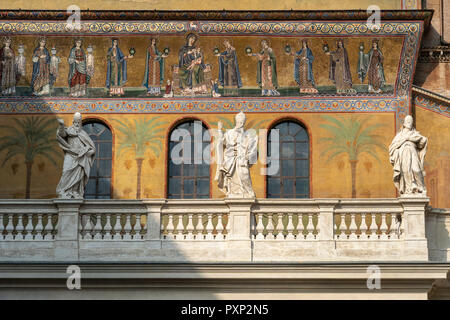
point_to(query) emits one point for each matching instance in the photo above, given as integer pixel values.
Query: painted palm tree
(29, 138)
(351, 136)
(139, 136)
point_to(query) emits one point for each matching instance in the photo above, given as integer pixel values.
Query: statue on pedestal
(236, 151)
(407, 152)
(79, 152)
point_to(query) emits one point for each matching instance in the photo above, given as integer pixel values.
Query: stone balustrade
(223, 230)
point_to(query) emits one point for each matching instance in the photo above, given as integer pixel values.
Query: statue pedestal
(239, 222)
(414, 226)
(66, 240)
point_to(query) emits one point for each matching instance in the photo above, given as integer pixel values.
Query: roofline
(423, 15)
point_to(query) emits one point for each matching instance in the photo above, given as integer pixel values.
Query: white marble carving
(407, 152)
(79, 152)
(236, 151)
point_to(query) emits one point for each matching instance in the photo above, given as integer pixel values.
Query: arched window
(288, 161)
(99, 184)
(189, 159)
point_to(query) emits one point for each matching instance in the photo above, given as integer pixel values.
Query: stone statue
(79, 151)
(236, 151)
(407, 152)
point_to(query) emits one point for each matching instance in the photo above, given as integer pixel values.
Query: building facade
(324, 91)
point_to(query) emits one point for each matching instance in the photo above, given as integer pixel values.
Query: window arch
(189, 161)
(289, 147)
(99, 184)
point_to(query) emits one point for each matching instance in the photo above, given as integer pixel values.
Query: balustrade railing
(365, 226)
(32, 221)
(194, 226)
(214, 229)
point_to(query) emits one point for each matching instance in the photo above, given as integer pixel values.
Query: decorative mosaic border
(298, 28)
(399, 106)
(411, 31)
(430, 104)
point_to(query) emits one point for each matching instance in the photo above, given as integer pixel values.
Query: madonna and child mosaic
(191, 65)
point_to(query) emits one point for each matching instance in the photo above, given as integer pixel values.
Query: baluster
(118, 227)
(310, 227)
(127, 227)
(363, 226)
(353, 227)
(383, 227)
(47, 233)
(219, 227)
(39, 227)
(108, 227)
(396, 225)
(138, 227)
(88, 228)
(54, 225)
(97, 231)
(170, 227)
(280, 227)
(199, 227)
(290, 228)
(300, 226)
(373, 226)
(209, 228)
(178, 227)
(259, 226)
(190, 228)
(342, 227)
(270, 228)
(19, 227)
(9, 227)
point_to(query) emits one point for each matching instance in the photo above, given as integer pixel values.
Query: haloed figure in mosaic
(79, 152)
(191, 68)
(371, 65)
(78, 77)
(154, 69)
(236, 152)
(303, 69)
(229, 75)
(40, 80)
(8, 69)
(340, 69)
(407, 153)
(266, 73)
(116, 74)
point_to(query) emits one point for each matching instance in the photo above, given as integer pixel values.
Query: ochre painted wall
(328, 178)
(205, 5)
(437, 161)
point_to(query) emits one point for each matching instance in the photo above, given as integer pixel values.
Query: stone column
(414, 227)
(239, 228)
(325, 226)
(66, 239)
